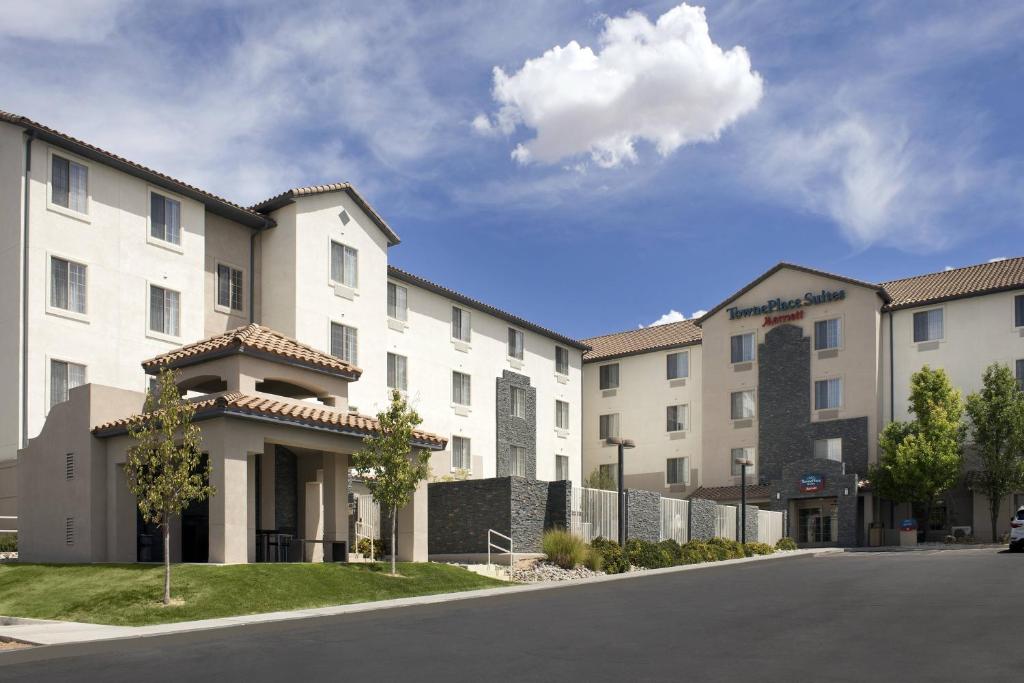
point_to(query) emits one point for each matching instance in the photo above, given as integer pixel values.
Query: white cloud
(76, 21)
(674, 316)
(666, 83)
(997, 259)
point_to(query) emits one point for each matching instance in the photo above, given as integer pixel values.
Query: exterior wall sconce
(846, 491)
(778, 495)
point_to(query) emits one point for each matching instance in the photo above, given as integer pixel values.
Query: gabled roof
(245, 406)
(289, 196)
(405, 276)
(214, 204)
(254, 340)
(643, 340)
(804, 269)
(958, 283)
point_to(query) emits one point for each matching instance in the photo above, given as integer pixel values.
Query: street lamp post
(623, 444)
(744, 464)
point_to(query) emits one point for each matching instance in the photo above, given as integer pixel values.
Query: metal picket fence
(367, 518)
(594, 513)
(675, 520)
(725, 522)
(770, 526)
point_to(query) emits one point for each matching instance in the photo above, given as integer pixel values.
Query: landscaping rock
(545, 571)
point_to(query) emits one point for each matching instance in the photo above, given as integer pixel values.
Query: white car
(1017, 531)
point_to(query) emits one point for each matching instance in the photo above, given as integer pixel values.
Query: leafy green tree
(922, 458)
(164, 467)
(600, 479)
(997, 429)
(390, 468)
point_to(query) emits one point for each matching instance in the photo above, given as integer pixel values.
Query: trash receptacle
(908, 532)
(339, 551)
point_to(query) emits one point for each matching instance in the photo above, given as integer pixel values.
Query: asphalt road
(938, 615)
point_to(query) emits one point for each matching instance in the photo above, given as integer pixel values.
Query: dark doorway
(195, 532)
(149, 545)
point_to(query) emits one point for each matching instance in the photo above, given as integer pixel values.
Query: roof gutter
(29, 137)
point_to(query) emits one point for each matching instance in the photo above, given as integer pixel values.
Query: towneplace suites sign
(778, 311)
(812, 483)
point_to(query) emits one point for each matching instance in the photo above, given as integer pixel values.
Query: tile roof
(289, 196)
(257, 340)
(215, 204)
(237, 404)
(730, 493)
(653, 338)
(405, 276)
(983, 278)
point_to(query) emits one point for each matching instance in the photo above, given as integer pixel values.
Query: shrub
(696, 552)
(593, 560)
(9, 543)
(563, 548)
(725, 549)
(646, 554)
(612, 558)
(786, 543)
(752, 549)
(380, 548)
(673, 550)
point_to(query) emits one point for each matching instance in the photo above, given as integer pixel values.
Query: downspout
(892, 376)
(252, 276)
(24, 292)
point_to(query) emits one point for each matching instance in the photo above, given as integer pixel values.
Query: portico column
(412, 527)
(335, 467)
(232, 518)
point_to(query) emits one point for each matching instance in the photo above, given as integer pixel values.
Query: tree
(600, 479)
(164, 467)
(923, 457)
(390, 468)
(997, 429)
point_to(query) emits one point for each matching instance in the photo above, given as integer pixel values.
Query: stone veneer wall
(751, 523)
(515, 431)
(286, 491)
(702, 519)
(837, 483)
(643, 515)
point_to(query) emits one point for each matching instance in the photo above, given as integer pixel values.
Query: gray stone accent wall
(751, 523)
(559, 509)
(461, 512)
(286, 491)
(702, 519)
(515, 431)
(837, 483)
(529, 513)
(643, 515)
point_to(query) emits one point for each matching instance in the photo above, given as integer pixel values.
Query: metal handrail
(491, 544)
(9, 531)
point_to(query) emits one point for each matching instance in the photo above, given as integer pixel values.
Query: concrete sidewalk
(43, 632)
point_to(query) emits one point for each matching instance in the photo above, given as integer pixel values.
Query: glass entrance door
(818, 525)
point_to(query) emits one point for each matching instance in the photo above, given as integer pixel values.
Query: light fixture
(846, 491)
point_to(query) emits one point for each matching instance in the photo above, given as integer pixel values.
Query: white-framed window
(608, 426)
(561, 360)
(742, 404)
(1018, 310)
(677, 471)
(164, 218)
(517, 456)
(741, 347)
(462, 456)
(515, 343)
(68, 285)
(229, 287)
(345, 343)
(344, 265)
(828, 334)
(828, 393)
(518, 401)
(928, 325)
(562, 468)
(677, 365)
(164, 311)
(460, 388)
(561, 414)
(69, 184)
(460, 324)
(677, 418)
(64, 377)
(397, 378)
(609, 376)
(398, 302)
(741, 454)
(609, 472)
(829, 449)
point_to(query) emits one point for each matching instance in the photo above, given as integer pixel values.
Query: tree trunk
(394, 547)
(167, 561)
(927, 520)
(993, 509)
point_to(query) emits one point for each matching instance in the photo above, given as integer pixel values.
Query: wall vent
(69, 466)
(69, 531)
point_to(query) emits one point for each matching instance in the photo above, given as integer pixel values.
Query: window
(518, 400)
(829, 449)
(64, 377)
(609, 473)
(561, 360)
(1018, 310)
(461, 453)
(677, 471)
(69, 466)
(742, 348)
(561, 414)
(398, 302)
(678, 418)
(677, 365)
(67, 285)
(741, 454)
(517, 454)
(610, 376)
(164, 311)
(928, 325)
(828, 334)
(164, 218)
(1020, 373)
(396, 372)
(828, 393)
(608, 426)
(344, 265)
(742, 404)
(460, 324)
(562, 468)
(229, 287)
(69, 184)
(345, 343)
(460, 388)
(515, 343)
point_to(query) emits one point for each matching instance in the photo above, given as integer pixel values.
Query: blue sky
(626, 161)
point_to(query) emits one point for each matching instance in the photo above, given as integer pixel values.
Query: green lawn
(130, 594)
